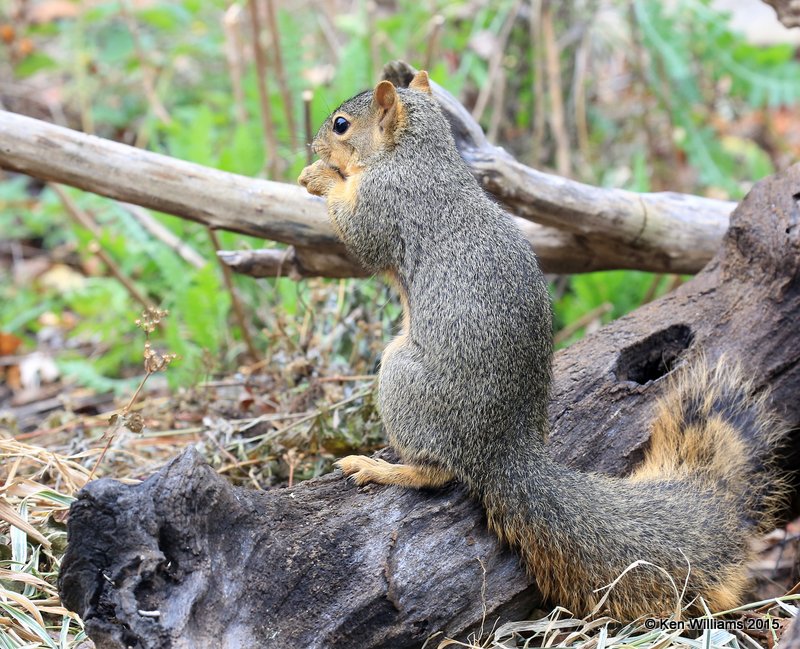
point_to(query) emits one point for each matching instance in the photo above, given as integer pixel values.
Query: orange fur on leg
(364, 469)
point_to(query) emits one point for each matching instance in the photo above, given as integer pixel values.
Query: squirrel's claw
(359, 468)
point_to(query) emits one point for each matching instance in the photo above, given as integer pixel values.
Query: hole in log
(796, 198)
(655, 356)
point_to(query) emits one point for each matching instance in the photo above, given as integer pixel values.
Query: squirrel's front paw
(319, 178)
(361, 469)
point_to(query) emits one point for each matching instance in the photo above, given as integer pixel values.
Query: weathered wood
(576, 227)
(788, 12)
(745, 303)
(219, 199)
(229, 567)
(557, 251)
(325, 564)
(292, 262)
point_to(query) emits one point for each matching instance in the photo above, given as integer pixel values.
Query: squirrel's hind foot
(363, 470)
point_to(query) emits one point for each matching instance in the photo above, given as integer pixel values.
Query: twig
(293, 459)
(537, 65)
(585, 320)
(557, 121)
(235, 301)
(579, 93)
(111, 433)
(498, 98)
(308, 97)
(432, 50)
(154, 361)
(374, 54)
(654, 79)
(653, 288)
(132, 400)
(83, 219)
(280, 70)
(165, 235)
(148, 72)
(641, 87)
(677, 280)
(339, 378)
(794, 590)
(325, 20)
(231, 457)
(271, 142)
(291, 262)
(80, 70)
(495, 62)
(239, 464)
(234, 54)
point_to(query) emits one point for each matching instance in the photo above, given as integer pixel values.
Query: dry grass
(38, 487)
(743, 629)
(39, 480)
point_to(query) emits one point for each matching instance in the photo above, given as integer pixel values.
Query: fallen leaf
(9, 343)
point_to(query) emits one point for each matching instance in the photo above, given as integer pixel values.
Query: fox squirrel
(463, 390)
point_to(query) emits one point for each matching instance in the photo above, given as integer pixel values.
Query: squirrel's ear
(421, 82)
(385, 95)
(386, 100)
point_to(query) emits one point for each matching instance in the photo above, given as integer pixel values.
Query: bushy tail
(712, 428)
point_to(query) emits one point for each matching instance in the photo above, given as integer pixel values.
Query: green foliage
(180, 48)
(691, 44)
(622, 290)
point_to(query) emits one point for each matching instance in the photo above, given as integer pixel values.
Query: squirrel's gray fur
(466, 391)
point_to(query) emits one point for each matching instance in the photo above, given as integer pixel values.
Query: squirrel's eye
(340, 125)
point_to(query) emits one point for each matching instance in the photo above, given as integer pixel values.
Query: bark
(791, 635)
(573, 227)
(184, 560)
(293, 262)
(788, 11)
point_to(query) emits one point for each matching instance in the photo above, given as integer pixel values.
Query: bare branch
(578, 227)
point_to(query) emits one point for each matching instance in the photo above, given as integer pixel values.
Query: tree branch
(573, 227)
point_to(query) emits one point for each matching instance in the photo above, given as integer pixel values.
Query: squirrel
(463, 390)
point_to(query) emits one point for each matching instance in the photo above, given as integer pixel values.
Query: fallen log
(184, 560)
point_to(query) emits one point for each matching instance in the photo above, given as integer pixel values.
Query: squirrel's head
(366, 125)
